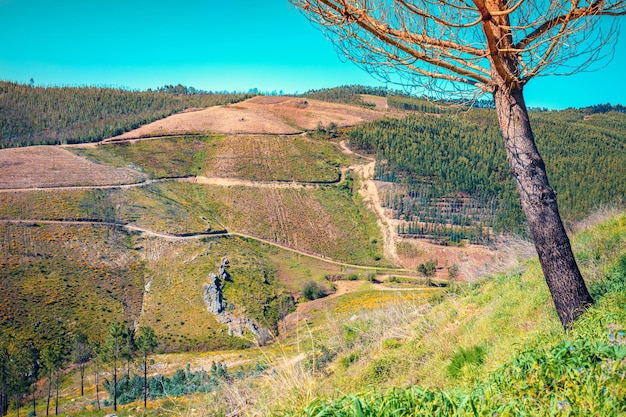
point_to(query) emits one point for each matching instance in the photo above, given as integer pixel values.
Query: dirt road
(370, 195)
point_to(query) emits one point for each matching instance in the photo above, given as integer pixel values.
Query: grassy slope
(267, 158)
(527, 364)
(66, 278)
(174, 305)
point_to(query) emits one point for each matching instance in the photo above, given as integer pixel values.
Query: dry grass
(259, 115)
(50, 166)
(325, 221)
(277, 158)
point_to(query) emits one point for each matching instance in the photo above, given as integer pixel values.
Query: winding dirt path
(199, 235)
(369, 191)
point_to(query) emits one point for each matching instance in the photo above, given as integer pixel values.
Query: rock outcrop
(213, 295)
(214, 300)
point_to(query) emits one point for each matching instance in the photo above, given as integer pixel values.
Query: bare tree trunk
(145, 381)
(560, 270)
(34, 399)
(82, 379)
(115, 384)
(97, 389)
(49, 394)
(56, 400)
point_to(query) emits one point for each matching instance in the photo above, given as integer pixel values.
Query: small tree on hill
(146, 343)
(81, 355)
(474, 47)
(54, 357)
(114, 347)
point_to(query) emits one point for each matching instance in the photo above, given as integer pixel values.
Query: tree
(81, 354)
(4, 380)
(146, 343)
(115, 344)
(19, 370)
(475, 47)
(53, 357)
(33, 356)
(129, 349)
(98, 354)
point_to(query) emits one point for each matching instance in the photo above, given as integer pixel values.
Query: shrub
(428, 268)
(312, 291)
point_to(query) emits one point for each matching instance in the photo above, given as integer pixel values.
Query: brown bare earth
(379, 102)
(258, 115)
(53, 166)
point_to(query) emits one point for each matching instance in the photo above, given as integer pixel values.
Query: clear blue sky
(213, 45)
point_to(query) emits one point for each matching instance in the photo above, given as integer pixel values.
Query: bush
(312, 291)
(428, 268)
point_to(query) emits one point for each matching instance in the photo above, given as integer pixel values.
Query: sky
(232, 45)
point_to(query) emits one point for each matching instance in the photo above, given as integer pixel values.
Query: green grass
(57, 205)
(275, 158)
(326, 221)
(176, 156)
(64, 279)
(496, 348)
(261, 158)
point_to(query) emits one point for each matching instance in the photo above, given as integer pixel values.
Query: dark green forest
(452, 182)
(348, 94)
(32, 115)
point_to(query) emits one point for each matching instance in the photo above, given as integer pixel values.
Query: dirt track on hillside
(369, 192)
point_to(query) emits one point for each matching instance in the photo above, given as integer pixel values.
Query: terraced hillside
(286, 210)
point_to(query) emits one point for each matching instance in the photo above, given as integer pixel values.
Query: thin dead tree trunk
(82, 379)
(115, 384)
(49, 394)
(34, 399)
(145, 381)
(56, 400)
(97, 380)
(561, 272)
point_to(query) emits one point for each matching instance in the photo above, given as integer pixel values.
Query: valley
(271, 195)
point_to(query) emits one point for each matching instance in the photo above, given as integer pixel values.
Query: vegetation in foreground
(508, 356)
(495, 347)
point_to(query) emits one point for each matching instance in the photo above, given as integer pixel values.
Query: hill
(259, 115)
(447, 178)
(254, 223)
(53, 115)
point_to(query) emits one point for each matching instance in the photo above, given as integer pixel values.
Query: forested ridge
(32, 115)
(451, 172)
(347, 94)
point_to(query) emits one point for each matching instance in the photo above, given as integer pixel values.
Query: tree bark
(97, 372)
(56, 400)
(560, 270)
(49, 394)
(114, 384)
(145, 381)
(82, 379)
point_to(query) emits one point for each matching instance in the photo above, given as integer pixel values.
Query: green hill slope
(495, 348)
(54, 115)
(450, 177)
